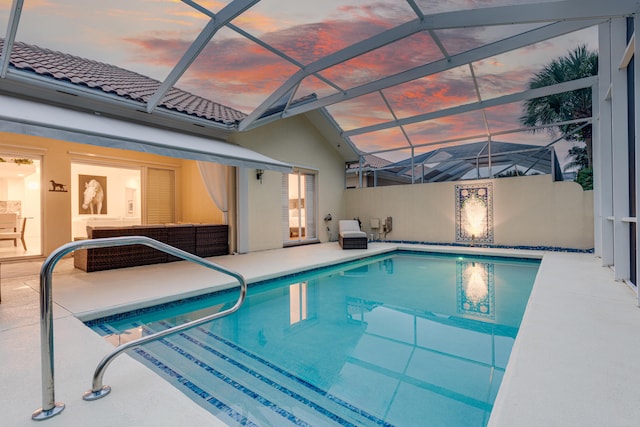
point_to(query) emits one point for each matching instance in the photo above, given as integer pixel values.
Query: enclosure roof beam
(12, 28)
(569, 10)
(494, 102)
(454, 61)
(226, 15)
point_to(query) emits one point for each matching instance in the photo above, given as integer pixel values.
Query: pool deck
(574, 362)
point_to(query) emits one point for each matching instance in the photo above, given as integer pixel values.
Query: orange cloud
(34, 4)
(364, 111)
(381, 140)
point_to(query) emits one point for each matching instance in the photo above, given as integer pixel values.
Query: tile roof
(111, 79)
(370, 161)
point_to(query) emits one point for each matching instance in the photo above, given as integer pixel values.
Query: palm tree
(579, 63)
(578, 158)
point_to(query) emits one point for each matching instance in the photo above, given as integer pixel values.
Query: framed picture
(92, 195)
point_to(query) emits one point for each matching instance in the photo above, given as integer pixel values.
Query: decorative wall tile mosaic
(474, 213)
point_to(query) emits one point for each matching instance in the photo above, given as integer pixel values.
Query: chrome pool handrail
(50, 407)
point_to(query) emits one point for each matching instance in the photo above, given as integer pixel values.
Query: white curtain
(214, 176)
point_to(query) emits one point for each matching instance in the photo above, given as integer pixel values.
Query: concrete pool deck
(574, 362)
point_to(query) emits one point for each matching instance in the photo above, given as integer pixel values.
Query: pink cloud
(238, 73)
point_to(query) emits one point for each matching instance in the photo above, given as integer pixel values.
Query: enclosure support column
(636, 101)
(620, 135)
(602, 153)
(242, 200)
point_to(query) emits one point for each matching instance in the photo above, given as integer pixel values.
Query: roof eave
(78, 97)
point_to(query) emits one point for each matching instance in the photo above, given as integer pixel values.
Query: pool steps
(242, 380)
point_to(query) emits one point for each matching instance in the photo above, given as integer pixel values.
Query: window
(160, 196)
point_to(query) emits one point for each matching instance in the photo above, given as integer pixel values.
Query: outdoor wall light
(259, 173)
(474, 217)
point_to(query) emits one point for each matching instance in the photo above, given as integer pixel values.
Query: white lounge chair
(350, 236)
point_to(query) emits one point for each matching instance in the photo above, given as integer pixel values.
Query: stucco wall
(296, 141)
(192, 202)
(528, 211)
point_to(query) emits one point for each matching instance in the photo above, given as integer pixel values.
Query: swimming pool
(399, 339)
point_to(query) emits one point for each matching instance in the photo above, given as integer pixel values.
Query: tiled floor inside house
(574, 361)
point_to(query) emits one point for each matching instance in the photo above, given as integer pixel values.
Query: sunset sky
(150, 36)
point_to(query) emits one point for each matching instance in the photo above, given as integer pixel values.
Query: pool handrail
(50, 407)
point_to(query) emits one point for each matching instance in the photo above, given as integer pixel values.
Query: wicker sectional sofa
(204, 240)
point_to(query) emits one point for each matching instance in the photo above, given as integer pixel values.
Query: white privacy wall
(527, 211)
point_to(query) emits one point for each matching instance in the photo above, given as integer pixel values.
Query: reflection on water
(297, 302)
(475, 289)
(403, 340)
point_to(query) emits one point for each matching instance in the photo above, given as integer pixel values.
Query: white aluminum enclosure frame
(611, 155)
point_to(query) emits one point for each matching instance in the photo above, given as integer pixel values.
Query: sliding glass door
(20, 205)
(299, 207)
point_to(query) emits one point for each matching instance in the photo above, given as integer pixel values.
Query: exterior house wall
(191, 205)
(528, 211)
(296, 141)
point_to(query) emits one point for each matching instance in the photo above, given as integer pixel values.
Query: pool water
(403, 339)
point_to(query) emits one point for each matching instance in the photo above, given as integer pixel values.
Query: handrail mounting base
(90, 395)
(41, 414)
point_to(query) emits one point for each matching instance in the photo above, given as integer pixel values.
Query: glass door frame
(305, 205)
(34, 217)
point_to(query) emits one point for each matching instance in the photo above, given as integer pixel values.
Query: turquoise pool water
(404, 339)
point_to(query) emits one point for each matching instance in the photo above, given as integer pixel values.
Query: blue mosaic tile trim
(231, 382)
(146, 310)
(104, 328)
(490, 246)
(297, 379)
(180, 379)
(467, 256)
